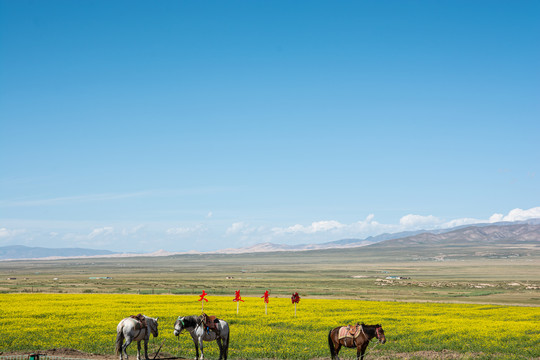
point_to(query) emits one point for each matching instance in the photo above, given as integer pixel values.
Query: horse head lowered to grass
(135, 328)
(205, 328)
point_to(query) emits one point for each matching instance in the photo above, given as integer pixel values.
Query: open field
(345, 274)
(421, 313)
(87, 322)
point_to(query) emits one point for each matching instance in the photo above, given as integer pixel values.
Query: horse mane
(191, 321)
(151, 319)
(370, 328)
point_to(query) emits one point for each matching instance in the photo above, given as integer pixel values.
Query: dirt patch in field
(64, 353)
(417, 355)
(429, 355)
(76, 354)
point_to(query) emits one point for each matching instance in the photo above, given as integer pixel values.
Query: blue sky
(184, 125)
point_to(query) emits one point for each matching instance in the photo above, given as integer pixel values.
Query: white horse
(198, 331)
(132, 330)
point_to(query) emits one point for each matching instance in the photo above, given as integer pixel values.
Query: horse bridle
(181, 319)
(377, 334)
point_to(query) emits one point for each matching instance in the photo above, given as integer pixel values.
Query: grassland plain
(342, 274)
(87, 322)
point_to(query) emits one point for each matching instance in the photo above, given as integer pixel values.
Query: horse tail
(331, 345)
(119, 340)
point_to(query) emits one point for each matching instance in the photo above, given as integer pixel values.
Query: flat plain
(468, 307)
(358, 273)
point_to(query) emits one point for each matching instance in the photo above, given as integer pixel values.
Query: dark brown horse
(359, 337)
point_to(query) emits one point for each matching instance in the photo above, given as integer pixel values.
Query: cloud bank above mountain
(205, 236)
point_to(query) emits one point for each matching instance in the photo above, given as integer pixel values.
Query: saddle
(210, 322)
(141, 320)
(354, 329)
(350, 331)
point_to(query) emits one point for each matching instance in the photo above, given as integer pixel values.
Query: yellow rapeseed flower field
(88, 323)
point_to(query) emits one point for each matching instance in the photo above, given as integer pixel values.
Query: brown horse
(360, 337)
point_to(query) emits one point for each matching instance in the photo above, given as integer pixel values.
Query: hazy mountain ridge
(337, 244)
(21, 251)
(387, 238)
(521, 234)
(513, 234)
(472, 242)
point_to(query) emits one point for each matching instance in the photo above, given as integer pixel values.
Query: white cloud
(132, 230)
(315, 227)
(102, 231)
(242, 228)
(178, 231)
(360, 228)
(411, 221)
(235, 228)
(496, 218)
(461, 222)
(7, 233)
(4, 232)
(368, 227)
(214, 234)
(185, 230)
(327, 230)
(517, 215)
(325, 226)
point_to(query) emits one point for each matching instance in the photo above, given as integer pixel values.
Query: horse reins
(377, 335)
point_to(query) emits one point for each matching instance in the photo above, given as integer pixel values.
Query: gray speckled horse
(132, 330)
(194, 325)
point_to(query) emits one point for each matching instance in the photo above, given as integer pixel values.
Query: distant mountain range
(25, 252)
(404, 237)
(337, 244)
(472, 239)
(494, 235)
(490, 242)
